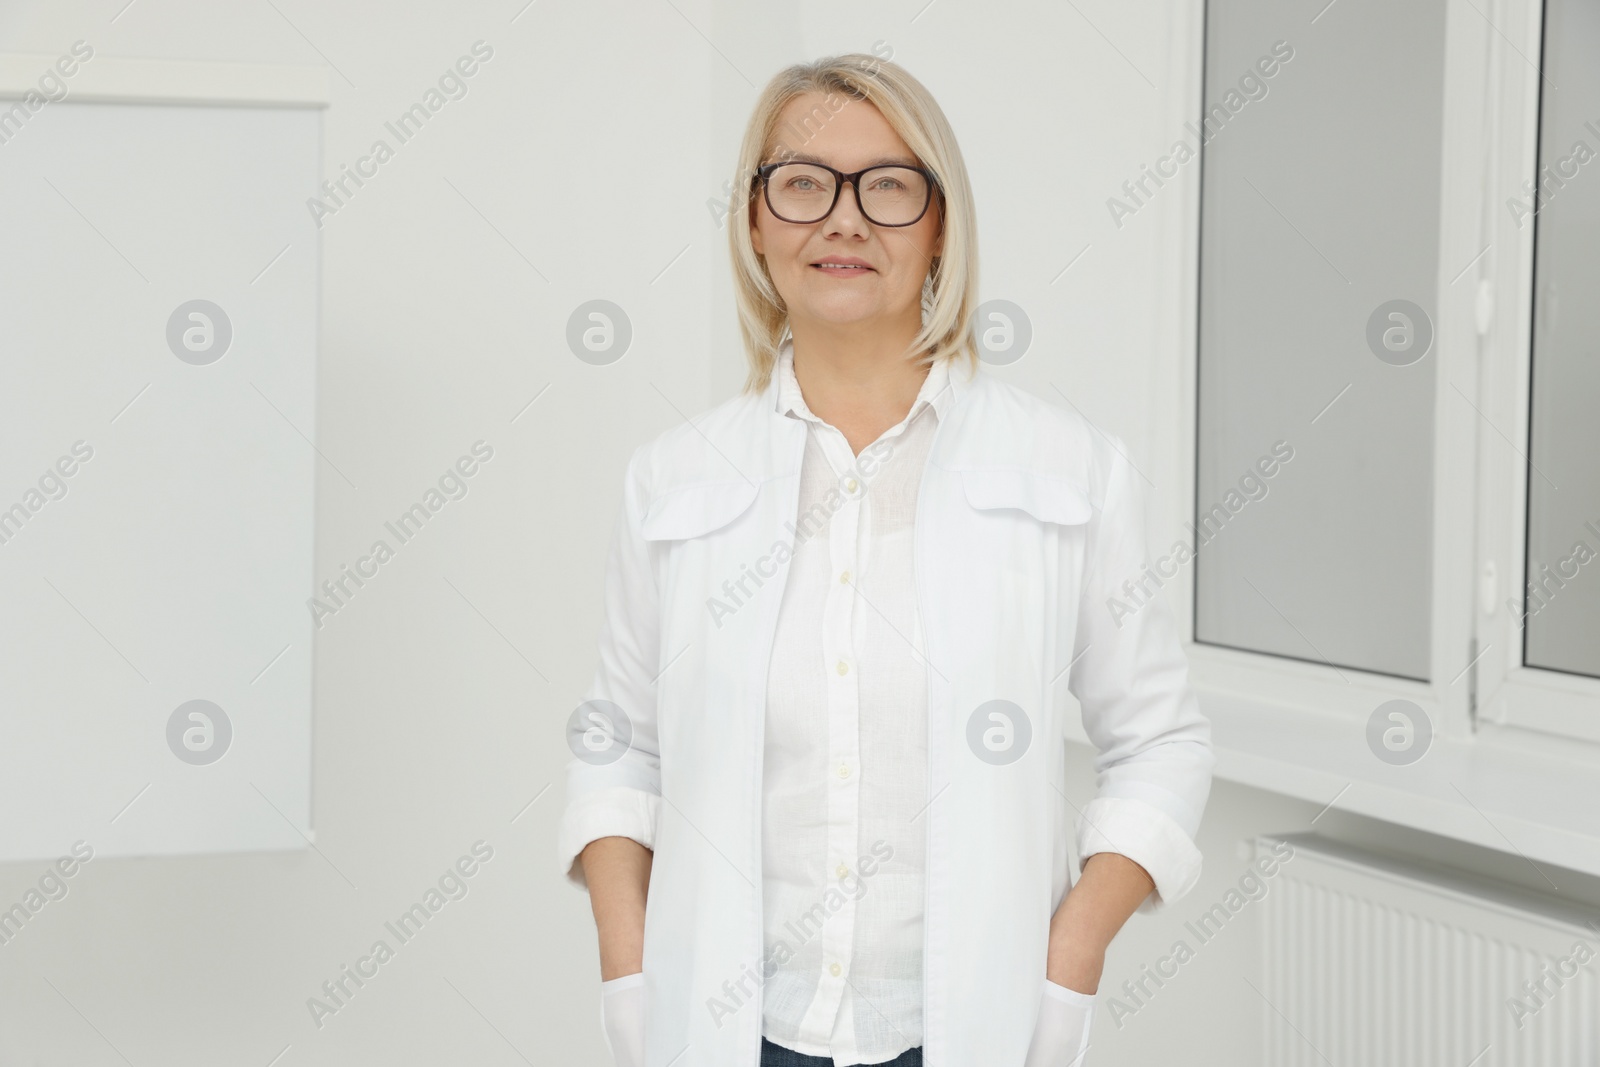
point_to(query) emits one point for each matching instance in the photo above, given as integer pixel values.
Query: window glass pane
(1562, 602)
(1318, 263)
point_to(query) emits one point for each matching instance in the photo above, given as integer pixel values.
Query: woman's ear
(753, 214)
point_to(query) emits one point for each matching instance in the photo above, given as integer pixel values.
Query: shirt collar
(935, 391)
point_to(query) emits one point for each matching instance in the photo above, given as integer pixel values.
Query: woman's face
(889, 293)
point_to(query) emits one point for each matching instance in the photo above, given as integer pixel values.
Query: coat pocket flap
(696, 510)
(1045, 498)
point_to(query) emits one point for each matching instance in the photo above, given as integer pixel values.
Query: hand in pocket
(622, 1016)
(1061, 1036)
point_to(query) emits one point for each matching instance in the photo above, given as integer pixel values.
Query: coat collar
(986, 425)
(760, 420)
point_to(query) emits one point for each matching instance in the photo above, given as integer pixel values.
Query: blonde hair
(950, 293)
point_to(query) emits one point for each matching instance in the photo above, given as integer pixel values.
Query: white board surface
(174, 563)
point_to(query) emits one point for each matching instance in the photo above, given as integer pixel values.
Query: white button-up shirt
(845, 774)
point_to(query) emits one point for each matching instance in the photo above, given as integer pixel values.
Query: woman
(814, 796)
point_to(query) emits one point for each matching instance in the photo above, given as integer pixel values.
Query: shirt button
(844, 668)
(833, 969)
(850, 485)
(843, 870)
(844, 770)
(844, 577)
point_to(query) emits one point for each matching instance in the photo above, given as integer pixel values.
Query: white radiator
(1373, 962)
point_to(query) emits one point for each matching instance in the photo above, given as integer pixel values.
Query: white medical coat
(1031, 583)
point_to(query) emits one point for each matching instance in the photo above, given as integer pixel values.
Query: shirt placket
(843, 738)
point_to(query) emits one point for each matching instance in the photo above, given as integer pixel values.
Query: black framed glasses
(889, 195)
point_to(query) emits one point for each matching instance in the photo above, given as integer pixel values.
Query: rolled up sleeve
(1154, 757)
(614, 787)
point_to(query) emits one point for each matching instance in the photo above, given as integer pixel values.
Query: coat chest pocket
(1024, 552)
(699, 535)
(1056, 501)
(693, 511)
(705, 541)
(1021, 523)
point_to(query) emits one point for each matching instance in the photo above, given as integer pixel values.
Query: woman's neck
(862, 384)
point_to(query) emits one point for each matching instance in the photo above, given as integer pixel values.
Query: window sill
(1508, 789)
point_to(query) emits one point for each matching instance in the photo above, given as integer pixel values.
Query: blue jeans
(778, 1056)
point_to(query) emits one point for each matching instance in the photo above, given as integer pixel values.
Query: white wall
(442, 687)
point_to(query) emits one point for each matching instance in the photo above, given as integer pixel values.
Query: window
(1560, 599)
(1397, 390)
(1319, 245)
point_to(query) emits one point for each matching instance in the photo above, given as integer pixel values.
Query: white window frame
(1516, 695)
(1516, 748)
